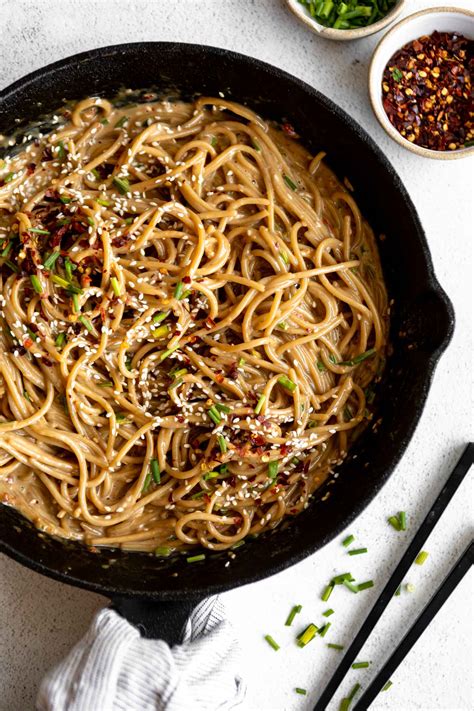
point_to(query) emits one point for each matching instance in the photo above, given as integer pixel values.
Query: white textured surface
(40, 619)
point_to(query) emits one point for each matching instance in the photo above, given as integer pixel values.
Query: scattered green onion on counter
(274, 645)
(293, 612)
(348, 14)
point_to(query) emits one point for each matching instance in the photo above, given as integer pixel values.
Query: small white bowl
(302, 13)
(443, 19)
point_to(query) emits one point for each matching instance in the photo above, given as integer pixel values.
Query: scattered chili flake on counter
(427, 92)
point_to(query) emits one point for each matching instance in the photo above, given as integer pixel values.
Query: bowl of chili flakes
(421, 83)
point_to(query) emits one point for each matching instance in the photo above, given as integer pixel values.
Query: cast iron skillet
(421, 326)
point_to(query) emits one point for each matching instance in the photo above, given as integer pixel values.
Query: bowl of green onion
(346, 19)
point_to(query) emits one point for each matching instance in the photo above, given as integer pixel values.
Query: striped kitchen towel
(113, 668)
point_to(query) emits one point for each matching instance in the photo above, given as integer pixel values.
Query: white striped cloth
(113, 668)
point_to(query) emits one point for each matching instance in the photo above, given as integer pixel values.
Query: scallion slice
(307, 635)
(260, 404)
(327, 593)
(214, 414)
(196, 558)
(38, 230)
(357, 551)
(273, 469)
(289, 182)
(287, 383)
(51, 259)
(328, 613)
(155, 471)
(36, 284)
(300, 691)
(421, 557)
(272, 642)
(222, 443)
(115, 285)
(365, 586)
(360, 665)
(295, 610)
(347, 541)
(122, 185)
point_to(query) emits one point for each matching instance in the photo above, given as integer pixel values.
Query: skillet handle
(156, 620)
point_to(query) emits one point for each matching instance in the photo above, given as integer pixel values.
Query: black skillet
(155, 593)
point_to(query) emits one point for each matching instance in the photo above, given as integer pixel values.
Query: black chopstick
(430, 521)
(451, 581)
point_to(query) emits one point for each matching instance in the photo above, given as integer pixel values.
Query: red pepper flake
(289, 130)
(187, 280)
(427, 93)
(27, 342)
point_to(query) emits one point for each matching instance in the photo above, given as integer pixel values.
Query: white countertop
(41, 619)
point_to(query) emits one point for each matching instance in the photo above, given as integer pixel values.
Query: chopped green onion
(365, 586)
(65, 199)
(328, 613)
(196, 558)
(60, 340)
(12, 266)
(358, 359)
(397, 75)
(36, 284)
(241, 362)
(222, 408)
(347, 541)
(300, 691)
(339, 579)
(106, 384)
(163, 551)
(167, 353)
(178, 373)
(260, 404)
(66, 284)
(178, 290)
(289, 182)
(26, 396)
(95, 173)
(75, 303)
(51, 259)
(394, 521)
(155, 471)
(88, 325)
(296, 609)
(402, 517)
(69, 268)
(129, 220)
(272, 642)
(323, 630)
(255, 144)
(104, 122)
(332, 359)
(160, 331)
(283, 325)
(121, 122)
(7, 249)
(421, 557)
(287, 383)
(327, 593)
(147, 482)
(387, 685)
(211, 475)
(214, 414)
(197, 495)
(398, 591)
(284, 257)
(104, 203)
(222, 444)
(273, 469)
(8, 178)
(60, 151)
(213, 141)
(239, 544)
(115, 286)
(410, 587)
(339, 647)
(158, 318)
(32, 334)
(38, 230)
(305, 637)
(90, 221)
(122, 185)
(357, 551)
(351, 587)
(360, 665)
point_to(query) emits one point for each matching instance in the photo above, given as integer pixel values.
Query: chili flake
(427, 92)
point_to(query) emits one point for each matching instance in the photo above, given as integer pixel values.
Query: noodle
(192, 317)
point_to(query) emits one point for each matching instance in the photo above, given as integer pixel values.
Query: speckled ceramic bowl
(302, 13)
(443, 19)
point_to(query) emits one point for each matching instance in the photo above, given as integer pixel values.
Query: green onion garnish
(410, 587)
(8, 178)
(60, 340)
(115, 286)
(121, 122)
(106, 384)
(36, 284)
(394, 521)
(360, 665)
(162, 551)
(284, 257)
(60, 151)
(155, 471)
(90, 221)
(178, 290)
(214, 414)
(147, 481)
(272, 642)
(129, 220)
(366, 585)
(104, 203)
(335, 646)
(347, 541)
(358, 359)
(387, 685)
(328, 613)
(327, 593)
(122, 185)
(287, 383)
(421, 557)
(241, 362)
(402, 517)
(211, 475)
(38, 230)
(160, 331)
(95, 173)
(350, 586)
(339, 579)
(255, 144)
(222, 408)
(196, 558)
(51, 259)
(69, 268)
(289, 182)
(283, 325)
(158, 318)
(75, 303)
(222, 444)
(66, 284)
(7, 250)
(32, 334)
(273, 469)
(321, 367)
(398, 591)
(305, 637)
(65, 199)
(300, 691)
(260, 404)
(397, 75)
(167, 353)
(293, 612)
(88, 325)
(12, 266)
(357, 551)
(322, 631)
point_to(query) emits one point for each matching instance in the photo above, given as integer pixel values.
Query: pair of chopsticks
(431, 609)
